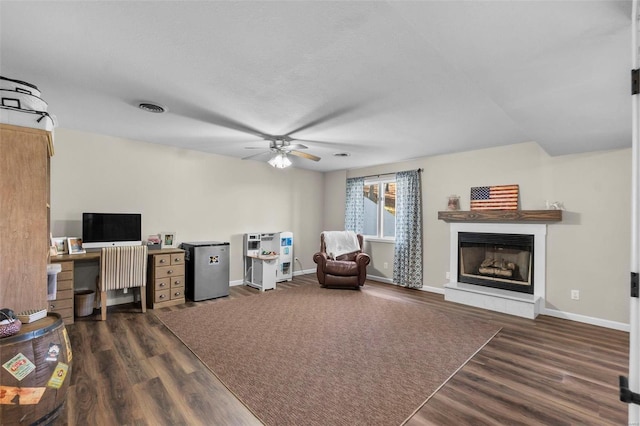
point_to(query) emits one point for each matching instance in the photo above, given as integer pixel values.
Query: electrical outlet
(385, 265)
(575, 294)
(447, 275)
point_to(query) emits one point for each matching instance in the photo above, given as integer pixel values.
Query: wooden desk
(63, 304)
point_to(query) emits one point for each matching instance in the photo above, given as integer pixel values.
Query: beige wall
(199, 196)
(208, 197)
(588, 251)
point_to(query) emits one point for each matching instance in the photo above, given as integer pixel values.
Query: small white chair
(122, 267)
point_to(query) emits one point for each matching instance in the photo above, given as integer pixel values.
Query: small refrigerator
(206, 269)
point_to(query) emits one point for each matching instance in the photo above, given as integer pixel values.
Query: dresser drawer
(177, 259)
(64, 295)
(56, 305)
(162, 295)
(171, 270)
(66, 266)
(177, 293)
(177, 282)
(162, 260)
(65, 285)
(65, 276)
(66, 314)
(162, 283)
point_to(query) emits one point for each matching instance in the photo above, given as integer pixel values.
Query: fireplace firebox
(504, 261)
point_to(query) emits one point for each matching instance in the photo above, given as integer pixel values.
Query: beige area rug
(314, 356)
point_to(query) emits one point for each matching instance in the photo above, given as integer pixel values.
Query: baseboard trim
(438, 290)
(380, 279)
(586, 319)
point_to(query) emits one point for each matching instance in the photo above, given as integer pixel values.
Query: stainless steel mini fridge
(206, 269)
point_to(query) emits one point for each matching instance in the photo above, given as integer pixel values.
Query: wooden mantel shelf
(501, 216)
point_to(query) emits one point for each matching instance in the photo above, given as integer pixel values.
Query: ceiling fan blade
(333, 145)
(304, 155)
(199, 113)
(330, 116)
(255, 155)
(255, 147)
(297, 146)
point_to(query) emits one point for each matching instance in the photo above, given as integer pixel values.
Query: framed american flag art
(500, 197)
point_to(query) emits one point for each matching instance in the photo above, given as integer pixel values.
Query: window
(380, 208)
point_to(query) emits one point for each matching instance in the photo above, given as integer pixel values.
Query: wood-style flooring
(130, 370)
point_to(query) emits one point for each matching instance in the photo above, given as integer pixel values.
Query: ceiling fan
(281, 147)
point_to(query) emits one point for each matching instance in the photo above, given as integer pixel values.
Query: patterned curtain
(407, 262)
(354, 209)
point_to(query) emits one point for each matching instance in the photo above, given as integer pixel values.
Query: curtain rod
(392, 173)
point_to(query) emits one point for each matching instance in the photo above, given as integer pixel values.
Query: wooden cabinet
(24, 213)
(165, 278)
(63, 304)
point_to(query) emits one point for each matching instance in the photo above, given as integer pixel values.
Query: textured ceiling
(384, 81)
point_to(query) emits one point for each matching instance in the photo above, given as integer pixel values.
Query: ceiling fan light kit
(280, 161)
(281, 146)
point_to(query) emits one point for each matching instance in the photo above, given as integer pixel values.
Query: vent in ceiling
(151, 107)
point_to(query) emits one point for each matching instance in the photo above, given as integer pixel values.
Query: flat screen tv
(111, 229)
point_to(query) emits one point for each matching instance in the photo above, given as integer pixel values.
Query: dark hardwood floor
(130, 370)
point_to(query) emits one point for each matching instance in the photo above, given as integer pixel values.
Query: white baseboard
(390, 281)
(380, 279)
(438, 290)
(585, 319)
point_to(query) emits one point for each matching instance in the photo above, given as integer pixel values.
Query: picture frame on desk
(74, 245)
(60, 243)
(168, 240)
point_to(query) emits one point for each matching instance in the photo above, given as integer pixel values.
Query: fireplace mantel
(502, 216)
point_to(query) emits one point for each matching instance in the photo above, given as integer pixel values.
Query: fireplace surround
(515, 294)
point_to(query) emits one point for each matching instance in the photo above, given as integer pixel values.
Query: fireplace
(515, 293)
(497, 260)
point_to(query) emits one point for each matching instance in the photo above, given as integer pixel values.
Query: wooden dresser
(63, 305)
(165, 278)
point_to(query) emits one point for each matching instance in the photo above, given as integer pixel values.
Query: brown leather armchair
(348, 270)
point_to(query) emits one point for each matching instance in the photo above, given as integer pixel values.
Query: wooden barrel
(35, 372)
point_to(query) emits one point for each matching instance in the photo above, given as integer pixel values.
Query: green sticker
(19, 366)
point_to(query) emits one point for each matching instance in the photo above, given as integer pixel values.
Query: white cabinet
(261, 271)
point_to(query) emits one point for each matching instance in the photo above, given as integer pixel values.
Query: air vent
(151, 107)
(341, 154)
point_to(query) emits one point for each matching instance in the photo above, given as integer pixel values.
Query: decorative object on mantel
(454, 202)
(500, 197)
(501, 216)
(554, 205)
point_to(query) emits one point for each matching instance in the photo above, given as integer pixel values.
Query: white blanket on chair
(338, 243)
